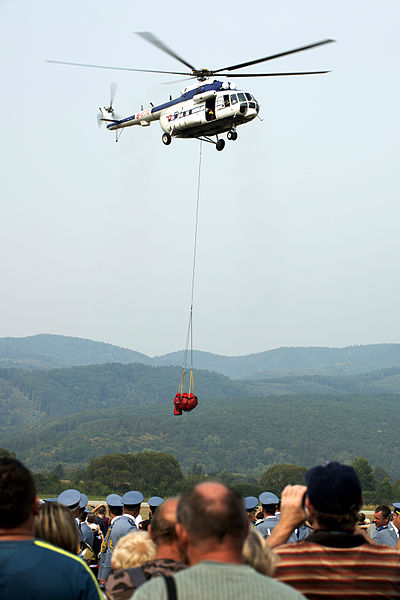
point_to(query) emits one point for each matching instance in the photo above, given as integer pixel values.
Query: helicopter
(205, 109)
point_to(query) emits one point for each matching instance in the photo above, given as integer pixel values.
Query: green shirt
(210, 580)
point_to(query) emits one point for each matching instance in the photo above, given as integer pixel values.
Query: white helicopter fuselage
(207, 108)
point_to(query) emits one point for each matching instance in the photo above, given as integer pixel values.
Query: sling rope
(189, 337)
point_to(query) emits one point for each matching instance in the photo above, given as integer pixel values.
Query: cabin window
(234, 99)
(242, 97)
(249, 96)
(226, 100)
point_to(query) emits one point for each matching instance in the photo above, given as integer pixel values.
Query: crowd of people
(312, 542)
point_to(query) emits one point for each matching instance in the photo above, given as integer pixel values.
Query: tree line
(159, 473)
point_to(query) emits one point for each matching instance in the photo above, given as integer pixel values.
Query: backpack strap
(171, 587)
(137, 575)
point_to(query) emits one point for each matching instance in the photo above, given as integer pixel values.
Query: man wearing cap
(120, 525)
(396, 519)
(132, 502)
(270, 503)
(154, 502)
(250, 504)
(336, 560)
(384, 532)
(32, 568)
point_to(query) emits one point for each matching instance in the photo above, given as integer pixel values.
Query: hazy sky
(298, 239)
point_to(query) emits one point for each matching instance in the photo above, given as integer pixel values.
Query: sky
(298, 234)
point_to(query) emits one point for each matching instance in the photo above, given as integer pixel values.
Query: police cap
(83, 501)
(70, 498)
(114, 500)
(396, 507)
(132, 498)
(155, 501)
(268, 498)
(250, 502)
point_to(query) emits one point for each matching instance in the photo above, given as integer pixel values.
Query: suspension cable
(189, 337)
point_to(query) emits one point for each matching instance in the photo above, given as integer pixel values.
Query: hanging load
(185, 401)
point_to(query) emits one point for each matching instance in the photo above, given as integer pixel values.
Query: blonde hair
(132, 550)
(56, 525)
(257, 554)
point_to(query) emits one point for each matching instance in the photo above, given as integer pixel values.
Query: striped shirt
(209, 580)
(333, 565)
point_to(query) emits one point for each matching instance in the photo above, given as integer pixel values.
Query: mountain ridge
(49, 351)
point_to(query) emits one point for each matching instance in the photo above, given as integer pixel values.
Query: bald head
(162, 527)
(213, 511)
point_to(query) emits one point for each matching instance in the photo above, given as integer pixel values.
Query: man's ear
(310, 512)
(150, 532)
(182, 534)
(35, 507)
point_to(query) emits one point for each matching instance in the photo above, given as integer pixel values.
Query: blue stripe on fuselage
(215, 85)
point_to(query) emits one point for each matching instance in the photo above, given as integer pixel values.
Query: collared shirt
(265, 527)
(386, 535)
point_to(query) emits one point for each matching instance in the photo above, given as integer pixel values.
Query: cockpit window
(242, 97)
(226, 100)
(234, 99)
(249, 96)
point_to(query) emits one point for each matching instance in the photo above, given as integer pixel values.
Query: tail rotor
(107, 112)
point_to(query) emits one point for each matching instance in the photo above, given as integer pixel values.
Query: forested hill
(50, 351)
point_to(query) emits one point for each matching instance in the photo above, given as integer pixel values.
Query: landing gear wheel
(166, 139)
(220, 145)
(232, 135)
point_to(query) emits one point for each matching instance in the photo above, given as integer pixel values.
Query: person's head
(396, 518)
(257, 554)
(132, 501)
(382, 515)
(115, 506)
(55, 524)
(132, 550)
(18, 501)
(269, 502)
(361, 518)
(101, 511)
(333, 497)
(211, 516)
(162, 527)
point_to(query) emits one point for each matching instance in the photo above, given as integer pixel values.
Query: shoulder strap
(137, 575)
(171, 587)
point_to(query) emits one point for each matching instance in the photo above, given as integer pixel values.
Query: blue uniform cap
(87, 510)
(114, 500)
(131, 498)
(155, 501)
(250, 502)
(396, 506)
(83, 501)
(69, 498)
(50, 499)
(268, 498)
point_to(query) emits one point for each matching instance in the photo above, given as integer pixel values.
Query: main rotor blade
(152, 39)
(258, 60)
(62, 62)
(113, 89)
(271, 74)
